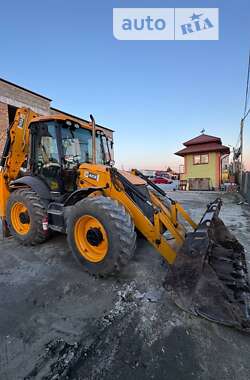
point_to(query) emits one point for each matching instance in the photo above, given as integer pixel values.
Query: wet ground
(57, 322)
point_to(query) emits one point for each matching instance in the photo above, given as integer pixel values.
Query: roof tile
(204, 148)
(203, 139)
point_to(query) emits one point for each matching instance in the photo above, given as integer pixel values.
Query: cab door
(47, 160)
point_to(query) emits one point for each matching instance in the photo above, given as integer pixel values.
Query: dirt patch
(57, 322)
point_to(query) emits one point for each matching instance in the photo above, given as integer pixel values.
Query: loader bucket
(209, 277)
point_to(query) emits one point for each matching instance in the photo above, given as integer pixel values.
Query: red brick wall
(17, 97)
(4, 122)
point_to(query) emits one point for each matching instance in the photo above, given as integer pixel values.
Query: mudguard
(35, 184)
(80, 194)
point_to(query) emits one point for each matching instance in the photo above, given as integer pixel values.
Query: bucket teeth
(210, 277)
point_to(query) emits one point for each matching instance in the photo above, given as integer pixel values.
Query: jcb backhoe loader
(58, 175)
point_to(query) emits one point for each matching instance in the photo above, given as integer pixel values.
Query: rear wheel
(101, 235)
(25, 216)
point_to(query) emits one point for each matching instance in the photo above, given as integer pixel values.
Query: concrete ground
(57, 322)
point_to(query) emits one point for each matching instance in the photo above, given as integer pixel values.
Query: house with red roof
(203, 161)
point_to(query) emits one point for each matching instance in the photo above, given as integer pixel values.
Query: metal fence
(245, 188)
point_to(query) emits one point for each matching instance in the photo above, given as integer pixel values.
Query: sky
(154, 94)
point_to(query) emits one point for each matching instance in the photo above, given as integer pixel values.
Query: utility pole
(241, 151)
(246, 113)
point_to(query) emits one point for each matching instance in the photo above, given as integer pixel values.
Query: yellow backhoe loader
(58, 175)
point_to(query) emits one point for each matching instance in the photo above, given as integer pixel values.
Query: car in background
(161, 180)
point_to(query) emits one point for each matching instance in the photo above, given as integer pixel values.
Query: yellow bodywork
(4, 194)
(19, 149)
(165, 218)
(99, 176)
(18, 153)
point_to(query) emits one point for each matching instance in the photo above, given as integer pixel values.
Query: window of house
(200, 159)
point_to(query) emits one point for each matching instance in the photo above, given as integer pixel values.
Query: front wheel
(101, 235)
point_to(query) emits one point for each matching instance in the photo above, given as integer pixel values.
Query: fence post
(245, 189)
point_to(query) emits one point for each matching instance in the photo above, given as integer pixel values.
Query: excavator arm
(209, 274)
(15, 153)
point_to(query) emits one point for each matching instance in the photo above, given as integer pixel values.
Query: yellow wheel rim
(20, 219)
(91, 238)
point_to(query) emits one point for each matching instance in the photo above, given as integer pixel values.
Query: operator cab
(58, 147)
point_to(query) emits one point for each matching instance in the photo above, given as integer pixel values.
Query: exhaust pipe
(93, 139)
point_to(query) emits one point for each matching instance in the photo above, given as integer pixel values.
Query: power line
(247, 90)
(246, 115)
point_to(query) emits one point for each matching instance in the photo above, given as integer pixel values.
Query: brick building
(13, 96)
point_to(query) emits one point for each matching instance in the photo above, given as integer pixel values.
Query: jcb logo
(91, 175)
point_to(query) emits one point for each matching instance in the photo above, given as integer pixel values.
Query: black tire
(36, 211)
(119, 228)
